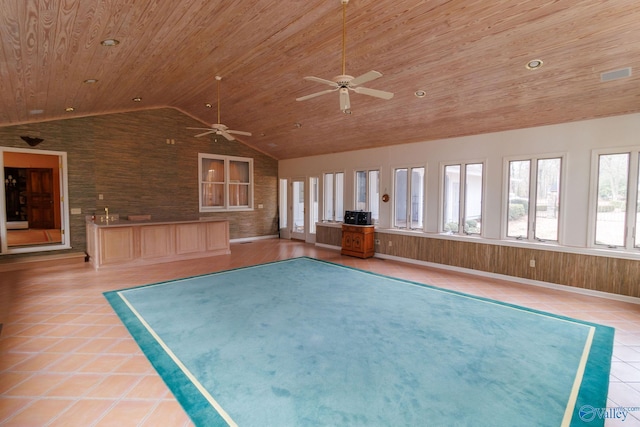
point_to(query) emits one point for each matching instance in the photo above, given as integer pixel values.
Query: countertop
(129, 223)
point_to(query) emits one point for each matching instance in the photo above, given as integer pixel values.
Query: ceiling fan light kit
(219, 128)
(344, 82)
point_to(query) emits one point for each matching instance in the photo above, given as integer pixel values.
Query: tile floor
(66, 360)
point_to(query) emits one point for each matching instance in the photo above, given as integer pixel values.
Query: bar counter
(117, 242)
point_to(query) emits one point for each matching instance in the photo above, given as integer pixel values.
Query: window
(409, 198)
(462, 198)
(313, 202)
(226, 183)
(617, 207)
(283, 208)
(333, 196)
(534, 199)
(368, 192)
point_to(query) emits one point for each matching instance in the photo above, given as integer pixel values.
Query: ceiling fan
(344, 82)
(218, 128)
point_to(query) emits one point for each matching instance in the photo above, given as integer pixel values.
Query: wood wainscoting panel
(328, 235)
(116, 245)
(190, 238)
(157, 241)
(592, 272)
(217, 236)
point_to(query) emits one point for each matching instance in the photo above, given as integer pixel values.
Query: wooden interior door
(40, 198)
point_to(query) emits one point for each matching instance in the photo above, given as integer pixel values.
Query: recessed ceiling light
(137, 99)
(208, 105)
(297, 125)
(91, 81)
(33, 112)
(69, 109)
(420, 93)
(110, 42)
(534, 64)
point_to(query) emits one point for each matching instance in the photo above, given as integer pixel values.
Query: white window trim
(561, 202)
(394, 197)
(344, 188)
(632, 192)
(463, 164)
(227, 160)
(368, 196)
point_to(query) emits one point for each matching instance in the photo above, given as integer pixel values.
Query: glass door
(33, 214)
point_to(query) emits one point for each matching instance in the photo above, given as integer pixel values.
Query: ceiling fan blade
(199, 128)
(373, 92)
(226, 135)
(366, 77)
(345, 104)
(313, 95)
(319, 80)
(206, 133)
(239, 132)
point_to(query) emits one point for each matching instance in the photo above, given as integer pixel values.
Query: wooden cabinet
(357, 240)
(131, 243)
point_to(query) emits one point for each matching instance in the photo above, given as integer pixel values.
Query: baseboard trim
(40, 261)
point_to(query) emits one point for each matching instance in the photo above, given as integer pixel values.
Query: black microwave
(357, 217)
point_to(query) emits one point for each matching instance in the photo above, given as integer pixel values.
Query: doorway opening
(33, 215)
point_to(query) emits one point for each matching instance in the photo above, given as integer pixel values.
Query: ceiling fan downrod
(344, 36)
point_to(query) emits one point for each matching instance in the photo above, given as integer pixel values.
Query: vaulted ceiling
(469, 57)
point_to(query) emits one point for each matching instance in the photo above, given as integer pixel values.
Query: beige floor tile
(66, 355)
(39, 413)
(127, 413)
(83, 413)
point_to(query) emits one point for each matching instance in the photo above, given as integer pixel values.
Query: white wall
(576, 140)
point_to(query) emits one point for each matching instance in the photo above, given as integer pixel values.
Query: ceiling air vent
(615, 74)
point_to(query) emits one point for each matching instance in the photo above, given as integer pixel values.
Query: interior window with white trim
(409, 198)
(534, 198)
(333, 197)
(462, 198)
(617, 207)
(368, 192)
(226, 183)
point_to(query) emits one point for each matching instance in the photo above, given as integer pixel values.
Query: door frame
(63, 206)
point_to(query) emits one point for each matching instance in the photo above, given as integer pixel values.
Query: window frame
(369, 199)
(533, 190)
(632, 212)
(227, 160)
(409, 192)
(337, 216)
(462, 196)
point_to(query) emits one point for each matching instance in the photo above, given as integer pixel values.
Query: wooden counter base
(131, 243)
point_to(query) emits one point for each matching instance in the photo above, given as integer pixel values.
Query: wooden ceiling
(468, 56)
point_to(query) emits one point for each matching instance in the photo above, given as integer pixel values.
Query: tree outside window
(617, 208)
(462, 198)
